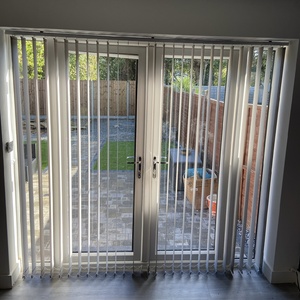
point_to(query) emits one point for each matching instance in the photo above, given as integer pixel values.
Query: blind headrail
(142, 40)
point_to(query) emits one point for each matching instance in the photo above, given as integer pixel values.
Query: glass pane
(182, 224)
(112, 117)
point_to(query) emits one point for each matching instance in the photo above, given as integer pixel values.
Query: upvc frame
(149, 132)
(240, 61)
(157, 53)
(75, 260)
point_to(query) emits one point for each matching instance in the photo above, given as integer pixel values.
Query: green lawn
(118, 152)
(117, 158)
(44, 146)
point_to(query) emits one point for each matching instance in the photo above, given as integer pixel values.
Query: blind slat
(21, 159)
(39, 150)
(29, 157)
(50, 174)
(78, 94)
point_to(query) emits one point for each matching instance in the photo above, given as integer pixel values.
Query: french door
(136, 154)
(113, 139)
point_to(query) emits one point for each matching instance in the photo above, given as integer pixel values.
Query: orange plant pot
(214, 203)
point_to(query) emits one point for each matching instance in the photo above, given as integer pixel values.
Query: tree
(182, 73)
(119, 68)
(263, 67)
(30, 60)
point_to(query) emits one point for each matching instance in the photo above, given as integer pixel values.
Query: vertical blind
(217, 110)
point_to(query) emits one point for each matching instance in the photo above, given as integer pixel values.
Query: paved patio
(116, 218)
(116, 203)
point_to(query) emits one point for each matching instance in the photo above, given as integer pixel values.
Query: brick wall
(252, 165)
(212, 125)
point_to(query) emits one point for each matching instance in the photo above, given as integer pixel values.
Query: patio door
(110, 131)
(132, 153)
(82, 104)
(210, 139)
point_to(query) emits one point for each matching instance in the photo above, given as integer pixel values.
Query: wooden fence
(122, 102)
(122, 97)
(211, 133)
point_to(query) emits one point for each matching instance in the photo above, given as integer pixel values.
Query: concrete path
(116, 203)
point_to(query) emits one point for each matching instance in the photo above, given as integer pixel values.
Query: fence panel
(211, 133)
(122, 100)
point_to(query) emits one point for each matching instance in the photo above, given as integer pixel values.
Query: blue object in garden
(190, 173)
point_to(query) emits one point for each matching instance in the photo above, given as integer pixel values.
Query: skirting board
(7, 281)
(278, 276)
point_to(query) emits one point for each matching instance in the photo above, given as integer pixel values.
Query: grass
(118, 152)
(117, 157)
(44, 148)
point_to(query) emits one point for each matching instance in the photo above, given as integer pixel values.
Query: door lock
(138, 163)
(155, 162)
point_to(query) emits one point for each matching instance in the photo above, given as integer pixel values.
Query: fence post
(127, 97)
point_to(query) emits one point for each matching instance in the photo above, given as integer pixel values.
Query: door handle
(138, 163)
(164, 161)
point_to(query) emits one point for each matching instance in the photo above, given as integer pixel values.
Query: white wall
(247, 18)
(270, 19)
